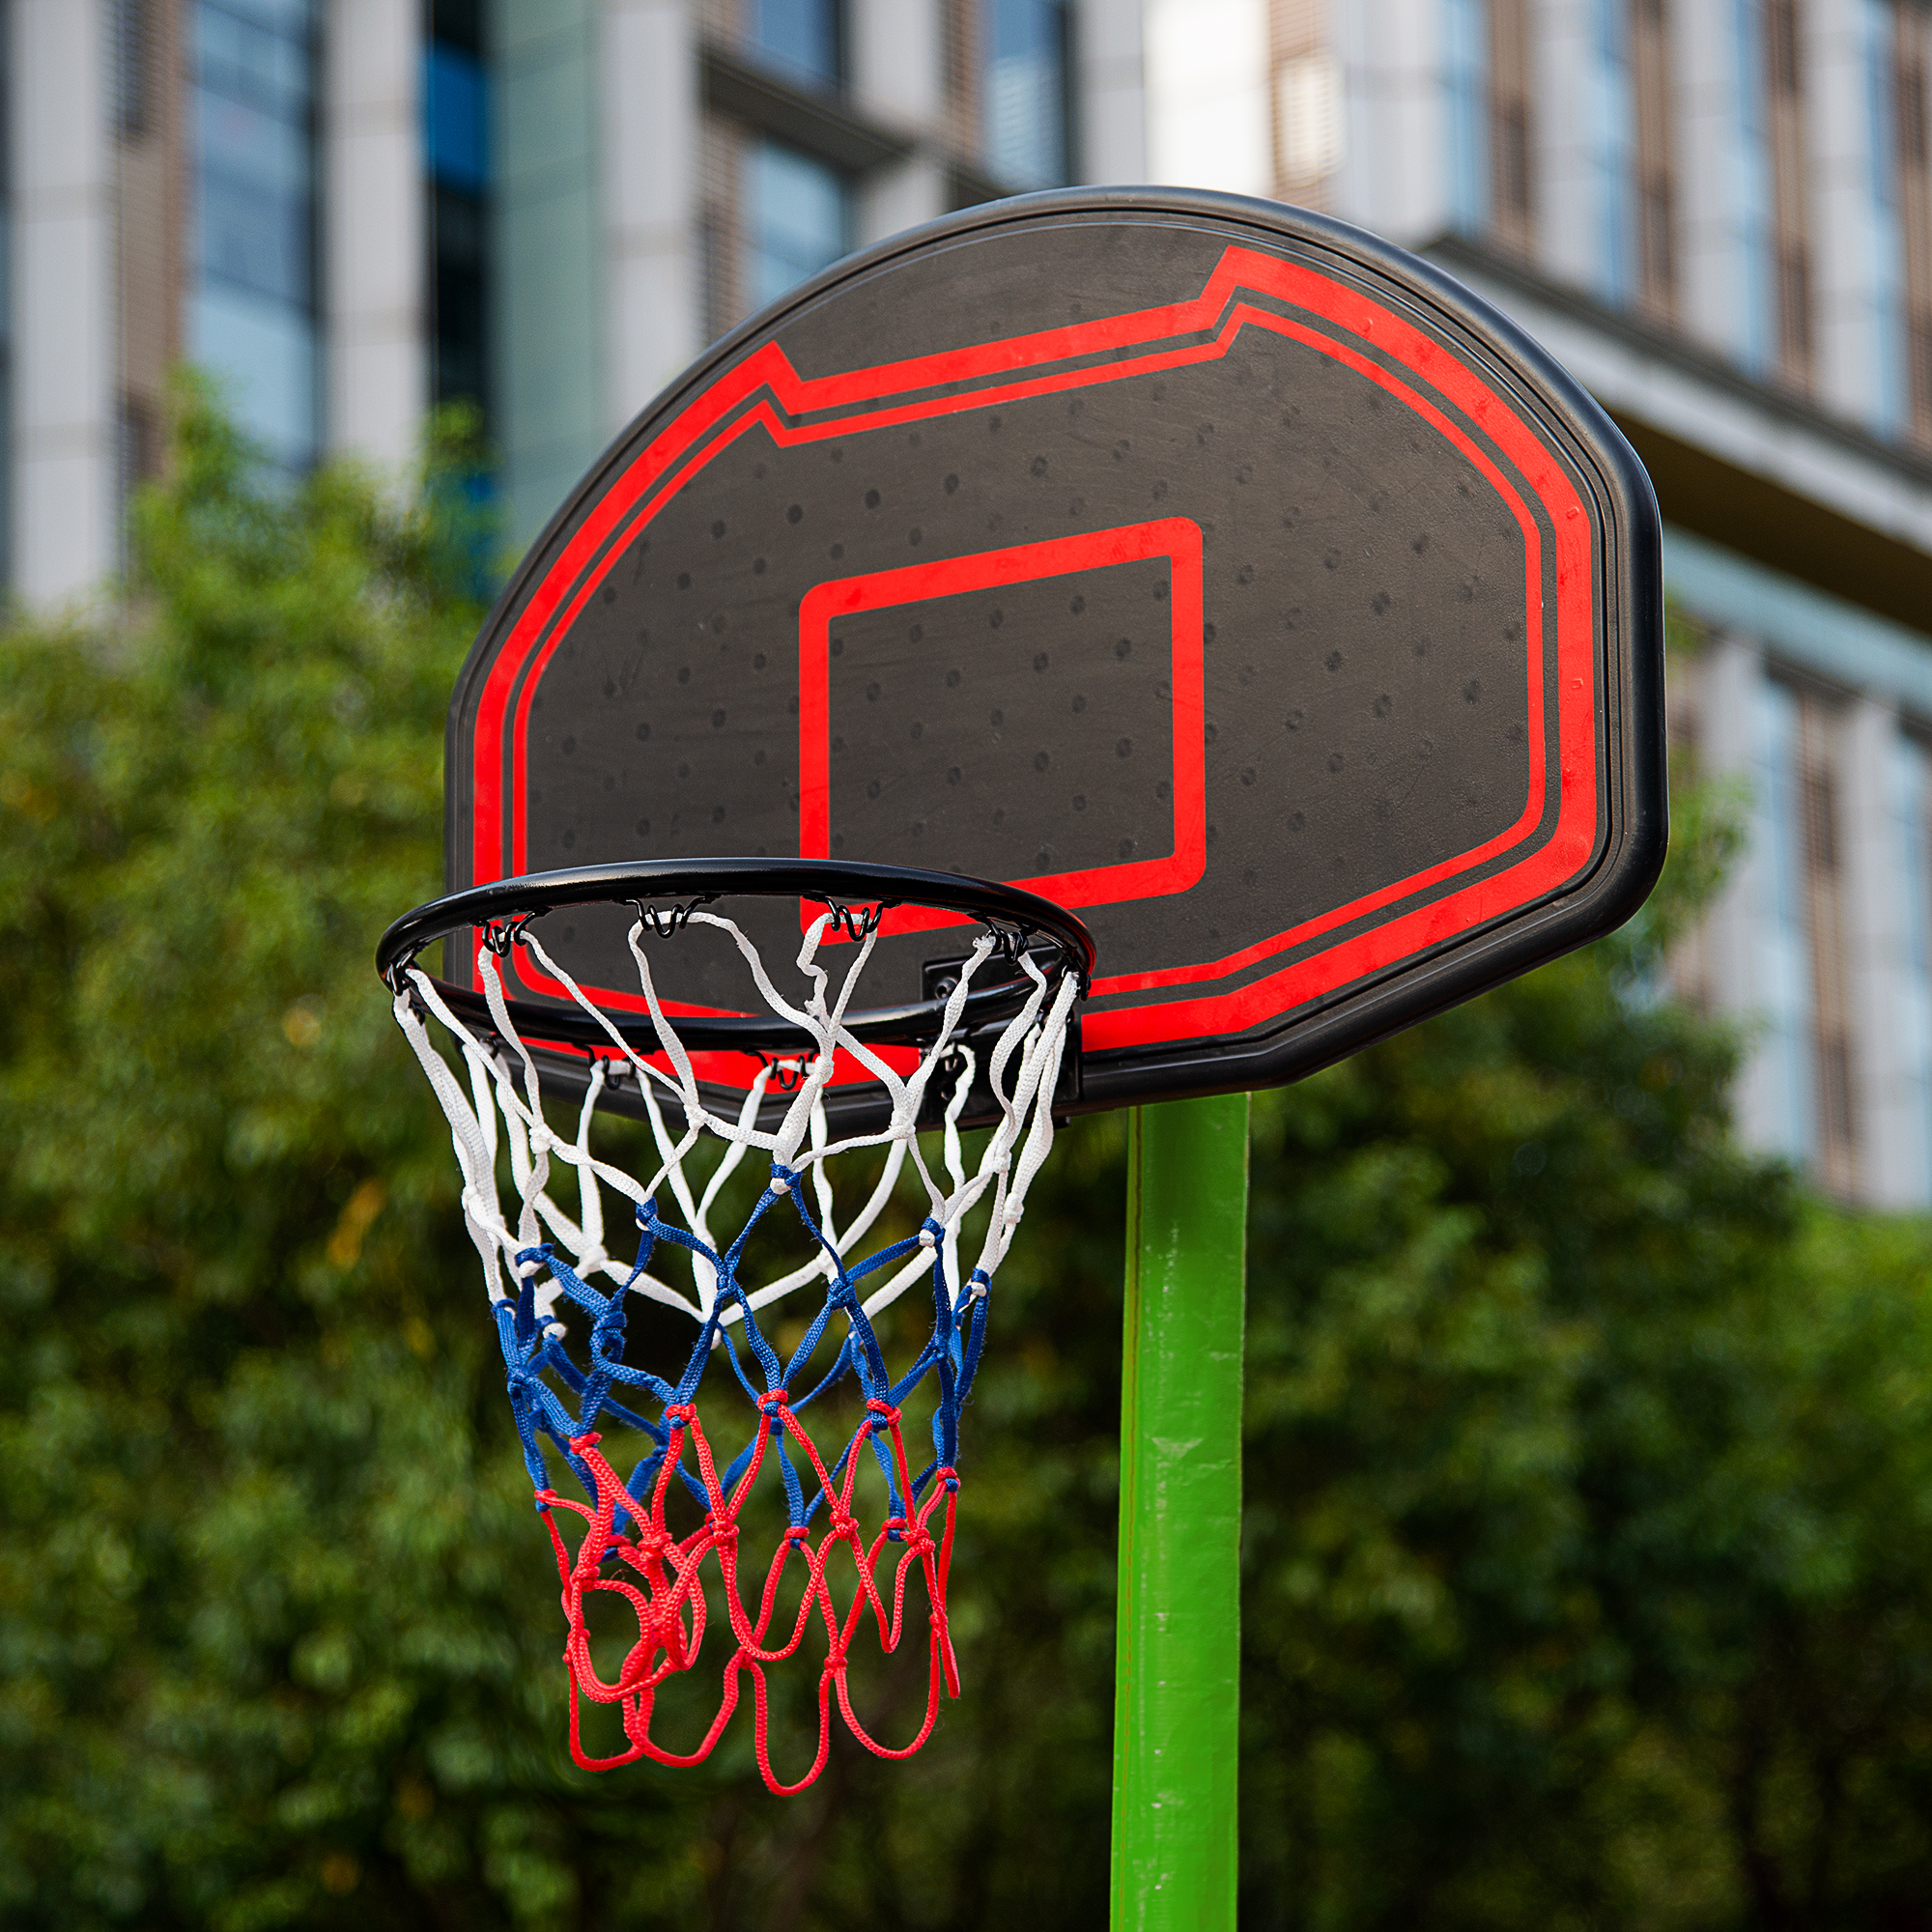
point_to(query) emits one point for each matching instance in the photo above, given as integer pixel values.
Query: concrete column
(64, 376)
(1394, 170)
(1208, 122)
(1110, 130)
(1889, 1100)
(648, 110)
(375, 245)
(899, 70)
(1567, 221)
(1711, 189)
(1846, 220)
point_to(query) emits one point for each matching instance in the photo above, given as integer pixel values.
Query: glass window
(1465, 61)
(251, 302)
(456, 118)
(1911, 804)
(795, 216)
(1612, 147)
(802, 35)
(1756, 211)
(1784, 926)
(1026, 132)
(456, 141)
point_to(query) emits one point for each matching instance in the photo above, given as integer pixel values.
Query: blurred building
(1718, 215)
(352, 208)
(1717, 212)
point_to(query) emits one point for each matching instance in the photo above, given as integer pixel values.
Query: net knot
(798, 1532)
(681, 1413)
(773, 1399)
(783, 1178)
(949, 1476)
(930, 1234)
(884, 1414)
(913, 1533)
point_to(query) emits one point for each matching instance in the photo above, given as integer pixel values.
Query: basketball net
(563, 1336)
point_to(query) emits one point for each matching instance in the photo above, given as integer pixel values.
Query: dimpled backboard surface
(1205, 565)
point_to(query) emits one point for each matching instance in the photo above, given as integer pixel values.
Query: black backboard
(1236, 580)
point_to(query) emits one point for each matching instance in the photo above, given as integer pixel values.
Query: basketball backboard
(1207, 566)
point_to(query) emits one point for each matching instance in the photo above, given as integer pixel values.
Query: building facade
(350, 209)
(1717, 212)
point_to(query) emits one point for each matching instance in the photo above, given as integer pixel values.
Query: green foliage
(1589, 1523)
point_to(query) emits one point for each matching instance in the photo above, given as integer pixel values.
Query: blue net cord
(559, 1301)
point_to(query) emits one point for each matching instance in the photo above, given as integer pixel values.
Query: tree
(1587, 1536)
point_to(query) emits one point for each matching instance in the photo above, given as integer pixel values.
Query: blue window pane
(456, 118)
(798, 33)
(1026, 91)
(1911, 804)
(242, 58)
(251, 306)
(252, 225)
(292, 17)
(1465, 64)
(263, 354)
(796, 210)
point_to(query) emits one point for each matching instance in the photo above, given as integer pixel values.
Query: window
(1782, 926)
(1611, 106)
(456, 134)
(1911, 808)
(1465, 83)
(1808, 1098)
(802, 35)
(1651, 77)
(795, 218)
(1780, 65)
(1025, 134)
(1824, 924)
(251, 306)
(134, 67)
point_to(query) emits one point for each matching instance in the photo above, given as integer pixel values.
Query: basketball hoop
(1002, 1023)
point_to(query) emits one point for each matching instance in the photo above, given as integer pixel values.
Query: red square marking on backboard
(1178, 539)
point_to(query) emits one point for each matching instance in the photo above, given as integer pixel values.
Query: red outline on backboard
(763, 390)
(1178, 539)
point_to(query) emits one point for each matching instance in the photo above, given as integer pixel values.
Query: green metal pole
(1176, 1700)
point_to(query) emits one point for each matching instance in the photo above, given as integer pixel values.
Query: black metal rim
(504, 906)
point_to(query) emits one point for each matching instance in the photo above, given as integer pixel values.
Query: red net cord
(659, 1576)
